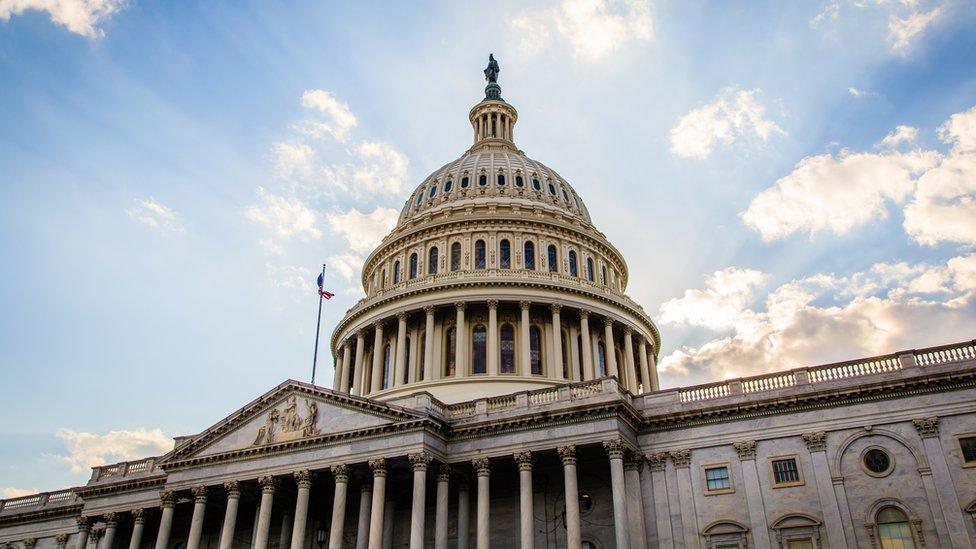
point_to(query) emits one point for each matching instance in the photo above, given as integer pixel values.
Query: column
(817, 446)
(568, 456)
(464, 514)
(635, 500)
(754, 501)
(401, 350)
(655, 383)
(340, 474)
(284, 532)
(557, 340)
(420, 461)
(662, 508)
(196, 523)
(928, 429)
(524, 348)
(357, 378)
(443, 495)
(111, 527)
(460, 356)
(526, 506)
(346, 364)
(686, 496)
(365, 504)
(482, 467)
(378, 467)
(621, 526)
(138, 525)
(337, 378)
(304, 480)
(376, 384)
(608, 343)
(233, 489)
(588, 372)
(629, 360)
(647, 385)
(96, 536)
(389, 512)
(429, 344)
(268, 484)
(167, 501)
(493, 337)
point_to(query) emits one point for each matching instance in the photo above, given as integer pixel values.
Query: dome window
(479, 348)
(529, 252)
(455, 256)
(535, 350)
(432, 261)
(507, 349)
(601, 359)
(505, 254)
(433, 191)
(604, 279)
(479, 254)
(447, 186)
(519, 182)
(589, 269)
(573, 271)
(552, 189)
(501, 179)
(386, 367)
(413, 266)
(396, 272)
(536, 185)
(482, 180)
(565, 196)
(553, 259)
(464, 182)
(450, 358)
(420, 197)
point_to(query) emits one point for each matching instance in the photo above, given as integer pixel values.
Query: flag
(322, 292)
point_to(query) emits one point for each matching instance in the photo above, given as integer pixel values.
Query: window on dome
(420, 197)
(464, 182)
(573, 271)
(589, 269)
(450, 358)
(455, 256)
(501, 179)
(519, 182)
(565, 196)
(422, 356)
(386, 367)
(601, 359)
(413, 266)
(529, 252)
(482, 180)
(894, 530)
(447, 186)
(535, 350)
(536, 185)
(604, 274)
(564, 341)
(406, 371)
(479, 347)
(505, 254)
(432, 261)
(552, 189)
(507, 349)
(396, 272)
(553, 259)
(433, 190)
(479, 254)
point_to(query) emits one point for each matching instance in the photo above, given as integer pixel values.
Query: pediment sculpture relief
(289, 424)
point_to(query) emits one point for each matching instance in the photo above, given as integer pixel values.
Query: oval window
(877, 461)
(464, 182)
(447, 186)
(519, 182)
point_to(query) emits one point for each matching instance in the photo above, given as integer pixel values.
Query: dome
(493, 282)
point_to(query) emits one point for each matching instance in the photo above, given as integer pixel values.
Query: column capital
(482, 466)
(378, 466)
(460, 305)
(167, 499)
(525, 304)
(61, 539)
(444, 472)
(378, 324)
(430, 309)
(29, 543)
(340, 472)
(493, 304)
(199, 494)
(84, 523)
(633, 460)
(523, 460)
(402, 316)
(657, 460)
(420, 460)
(111, 519)
(567, 454)
(361, 334)
(138, 515)
(615, 448)
(584, 313)
(233, 488)
(608, 322)
(681, 458)
(927, 427)
(628, 331)
(268, 484)
(303, 477)
(816, 442)
(745, 449)
(96, 534)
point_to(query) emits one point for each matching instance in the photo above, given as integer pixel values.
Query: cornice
(618, 409)
(121, 486)
(42, 514)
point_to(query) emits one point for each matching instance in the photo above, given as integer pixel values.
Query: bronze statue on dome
(491, 72)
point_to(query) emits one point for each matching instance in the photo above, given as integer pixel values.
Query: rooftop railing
(123, 469)
(39, 501)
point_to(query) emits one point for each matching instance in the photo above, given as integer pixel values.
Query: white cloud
(859, 93)
(593, 28)
(903, 30)
(12, 492)
(78, 16)
(86, 450)
(290, 277)
(335, 117)
(718, 306)
(944, 206)
(285, 216)
(901, 134)
(379, 170)
(155, 215)
(347, 265)
(294, 160)
(960, 131)
(824, 318)
(734, 114)
(906, 21)
(363, 231)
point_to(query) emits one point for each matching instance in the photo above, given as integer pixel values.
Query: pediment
(292, 412)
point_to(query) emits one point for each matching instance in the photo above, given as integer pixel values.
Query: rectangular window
(968, 445)
(717, 478)
(800, 544)
(785, 471)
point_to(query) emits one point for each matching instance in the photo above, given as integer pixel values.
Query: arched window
(519, 182)
(572, 264)
(479, 348)
(501, 179)
(422, 356)
(564, 341)
(479, 254)
(552, 189)
(433, 190)
(450, 350)
(413, 266)
(553, 259)
(420, 197)
(604, 280)
(535, 349)
(387, 367)
(536, 185)
(455, 256)
(406, 371)
(601, 359)
(464, 182)
(589, 269)
(432, 261)
(505, 254)
(579, 353)
(482, 180)
(894, 530)
(447, 186)
(529, 252)
(507, 349)
(565, 196)
(396, 272)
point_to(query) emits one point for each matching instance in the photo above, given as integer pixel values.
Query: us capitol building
(497, 388)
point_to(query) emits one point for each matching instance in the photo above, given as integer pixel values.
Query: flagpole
(318, 323)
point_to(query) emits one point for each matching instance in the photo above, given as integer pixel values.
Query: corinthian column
(304, 480)
(420, 461)
(464, 513)
(557, 342)
(341, 475)
(621, 524)
(573, 537)
(357, 378)
(379, 500)
(111, 527)
(429, 343)
(168, 502)
(377, 380)
(233, 489)
(138, 525)
(196, 523)
(633, 464)
(268, 484)
(84, 528)
(629, 360)
(526, 517)
(460, 356)
(401, 350)
(493, 337)
(443, 495)
(588, 372)
(482, 467)
(524, 349)
(611, 355)
(647, 385)
(365, 504)
(343, 386)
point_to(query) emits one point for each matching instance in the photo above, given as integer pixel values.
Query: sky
(791, 183)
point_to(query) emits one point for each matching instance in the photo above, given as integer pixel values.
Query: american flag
(322, 291)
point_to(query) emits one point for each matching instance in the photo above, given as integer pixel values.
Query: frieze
(289, 424)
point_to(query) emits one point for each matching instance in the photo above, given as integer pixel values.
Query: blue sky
(790, 182)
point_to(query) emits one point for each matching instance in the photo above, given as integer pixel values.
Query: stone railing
(923, 358)
(38, 501)
(123, 469)
(524, 399)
